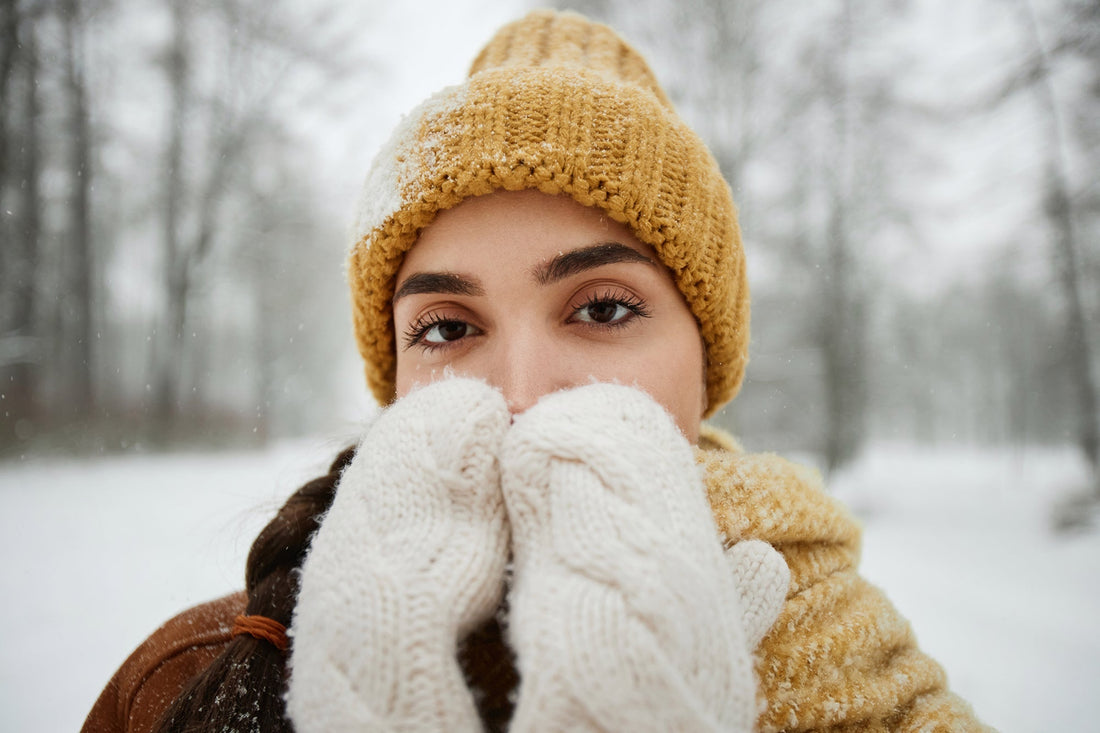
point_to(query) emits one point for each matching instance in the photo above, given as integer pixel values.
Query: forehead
(508, 229)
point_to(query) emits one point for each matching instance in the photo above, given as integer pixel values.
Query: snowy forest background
(921, 210)
(916, 182)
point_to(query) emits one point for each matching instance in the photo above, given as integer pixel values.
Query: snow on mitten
(625, 614)
(408, 560)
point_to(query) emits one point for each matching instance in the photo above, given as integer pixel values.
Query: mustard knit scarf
(840, 657)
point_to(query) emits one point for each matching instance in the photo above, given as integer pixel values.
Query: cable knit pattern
(624, 611)
(839, 658)
(409, 559)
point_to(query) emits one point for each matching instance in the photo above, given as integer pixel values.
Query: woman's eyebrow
(586, 258)
(447, 283)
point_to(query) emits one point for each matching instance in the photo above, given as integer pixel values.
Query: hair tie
(263, 628)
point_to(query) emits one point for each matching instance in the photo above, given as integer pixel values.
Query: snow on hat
(563, 105)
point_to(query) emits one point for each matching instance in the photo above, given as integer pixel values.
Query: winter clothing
(642, 635)
(839, 657)
(624, 612)
(158, 670)
(408, 561)
(557, 103)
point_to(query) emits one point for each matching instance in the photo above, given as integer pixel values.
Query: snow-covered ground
(99, 552)
(962, 543)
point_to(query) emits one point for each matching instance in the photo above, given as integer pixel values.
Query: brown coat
(838, 659)
(158, 670)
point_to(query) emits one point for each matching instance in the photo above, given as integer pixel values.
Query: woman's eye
(446, 331)
(610, 309)
(605, 312)
(434, 332)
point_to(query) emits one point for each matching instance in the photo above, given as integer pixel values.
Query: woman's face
(535, 293)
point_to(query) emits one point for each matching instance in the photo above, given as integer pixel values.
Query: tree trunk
(842, 319)
(167, 363)
(199, 206)
(1058, 206)
(9, 42)
(80, 303)
(22, 384)
(842, 345)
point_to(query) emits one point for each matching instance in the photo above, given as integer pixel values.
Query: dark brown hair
(244, 688)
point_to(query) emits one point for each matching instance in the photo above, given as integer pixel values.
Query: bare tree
(78, 304)
(175, 265)
(238, 73)
(842, 333)
(1058, 206)
(19, 185)
(23, 402)
(218, 121)
(9, 41)
(197, 175)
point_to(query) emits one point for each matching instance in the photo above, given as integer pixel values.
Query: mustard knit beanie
(557, 103)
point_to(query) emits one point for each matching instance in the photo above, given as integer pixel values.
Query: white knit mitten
(625, 613)
(408, 560)
(762, 581)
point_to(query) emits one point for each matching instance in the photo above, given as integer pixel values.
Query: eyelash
(631, 302)
(414, 335)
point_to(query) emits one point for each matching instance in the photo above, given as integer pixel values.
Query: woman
(549, 295)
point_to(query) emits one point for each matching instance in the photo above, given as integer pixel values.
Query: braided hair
(243, 689)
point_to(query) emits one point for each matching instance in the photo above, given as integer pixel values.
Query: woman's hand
(625, 613)
(408, 560)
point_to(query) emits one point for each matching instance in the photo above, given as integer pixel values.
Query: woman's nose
(528, 367)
